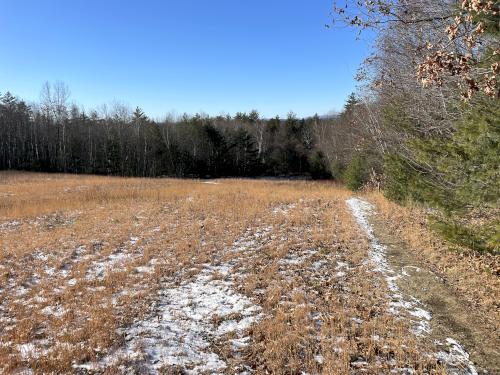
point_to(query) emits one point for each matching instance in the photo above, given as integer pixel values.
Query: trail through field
(202, 323)
(419, 295)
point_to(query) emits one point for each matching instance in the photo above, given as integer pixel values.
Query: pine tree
(351, 103)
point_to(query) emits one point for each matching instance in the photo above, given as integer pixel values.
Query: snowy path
(455, 358)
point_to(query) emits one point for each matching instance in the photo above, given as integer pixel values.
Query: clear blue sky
(184, 55)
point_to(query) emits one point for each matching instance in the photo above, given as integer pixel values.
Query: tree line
(55, 136)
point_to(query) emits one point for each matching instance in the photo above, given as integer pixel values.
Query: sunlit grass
(74, 251)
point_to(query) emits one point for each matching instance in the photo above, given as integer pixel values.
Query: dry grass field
(113, 275)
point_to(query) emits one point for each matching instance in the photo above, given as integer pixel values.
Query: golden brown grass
(73, 251)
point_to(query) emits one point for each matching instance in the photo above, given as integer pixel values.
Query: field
(114, 275)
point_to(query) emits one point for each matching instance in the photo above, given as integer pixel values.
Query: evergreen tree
(351, 103)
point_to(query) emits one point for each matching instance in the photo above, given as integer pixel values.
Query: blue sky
(186, 55)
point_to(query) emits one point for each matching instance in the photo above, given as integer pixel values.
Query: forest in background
(55, 136)
(424, 125)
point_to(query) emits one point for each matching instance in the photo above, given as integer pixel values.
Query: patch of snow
(249, 240)
(319, 264)
(357, 320)
(404, 270)
(28, 351)
(10, 225)
(80, 250)
(240, 343)
(64, 273)
(21, 291)
(100, 268)
(297, 259)
(145, 269)
(342, 265)
(56, 311)
(39, 255)
(182, 333)
(188, 318)
(284, 209)
(457, 359)
(40, 299)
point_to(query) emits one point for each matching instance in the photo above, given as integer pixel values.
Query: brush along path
(419, 295)
(109, 275)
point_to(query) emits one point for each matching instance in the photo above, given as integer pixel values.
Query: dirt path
(464, 341)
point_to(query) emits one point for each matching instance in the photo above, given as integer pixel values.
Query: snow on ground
(297, 258)
(46, 221)
(456, 358)
(184, 330)
(187, 319)
(284, 209)
(115, 261)
(9, 226)
(28, 351)
(361, 210)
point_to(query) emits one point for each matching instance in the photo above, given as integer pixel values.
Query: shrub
(483, 238)
(337, 170)
(356, 173)
(460, 180)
